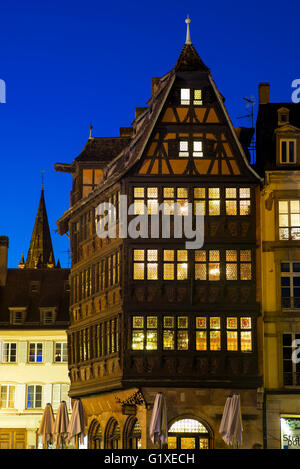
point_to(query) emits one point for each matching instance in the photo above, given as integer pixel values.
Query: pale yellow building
(34, 304)
(278, 160)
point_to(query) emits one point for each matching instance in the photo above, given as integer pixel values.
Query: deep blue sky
(67, 64)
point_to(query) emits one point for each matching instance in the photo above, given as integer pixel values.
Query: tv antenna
(250, 103)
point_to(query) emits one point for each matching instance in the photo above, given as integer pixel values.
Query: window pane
(169, 192)
(201, 340)
(138, 254)
(214, 193)
(231, 193)
(245, 271)
(245, 323)
(152, 192)
(138, 322)
(152, 322)
(214, 207)
(197, 97)
(200, 272)
(151, 340)
(231, 207)
(214, 271)
(139, 192)
(169, 321)
(200, 323)
(215, 340)
(168, 340)
(283, 206)
(138, 271)
(182, 322)
(152, 271)
(231, 323)
(199, 193)
(246, 341)
(137, 340)
(244, 193)
(244, 207)
(182, 271)
(168, 271)
(169, 255)
(185, 95)
(152, 255)
(215, 323)
(182, 340)
(232, 340)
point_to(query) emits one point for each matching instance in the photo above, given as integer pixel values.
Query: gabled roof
(189, 60)
(102, 149)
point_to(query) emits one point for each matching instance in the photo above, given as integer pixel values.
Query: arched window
(95, 435)
(188, 433)
(112, 435)
(132, 434)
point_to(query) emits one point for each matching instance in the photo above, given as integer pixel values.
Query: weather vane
(188, 34)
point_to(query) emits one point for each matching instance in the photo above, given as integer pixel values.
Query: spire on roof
(40, 248)
(188, 34)
(91, 128)
(22, 262)
(189, 60)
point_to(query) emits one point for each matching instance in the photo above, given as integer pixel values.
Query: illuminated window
(207, 265)
(290, 284)
(289, 219)
(61, 352)
(175, 333)
(185, 96)
(239, 334)
(177, 195)
(144, 333)
(245, 264)
(237, 201)
(175, 264)
(215, 333)
(231, 264)
(145, 264)
(287, 151)
(197, 148)
(208, 333)
(198, 97)
(188, 434)
(145, 197)
(214, 201)
(199, 201)
(7, 396)
(184, 148)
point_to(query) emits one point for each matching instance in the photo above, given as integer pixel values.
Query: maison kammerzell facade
(148, 314)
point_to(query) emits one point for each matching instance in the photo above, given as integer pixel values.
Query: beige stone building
(34, 302)
(278, 161)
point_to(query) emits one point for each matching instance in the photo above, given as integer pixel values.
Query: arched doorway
(132, 434)
(112, 435)
(94, 435)
(189, 433)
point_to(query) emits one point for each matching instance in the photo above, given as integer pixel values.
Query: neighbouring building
(34, 316)
(147, 313)
(278, 161)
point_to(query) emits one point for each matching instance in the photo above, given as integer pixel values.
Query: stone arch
(189, 432)
(132, 433)
(95, 436)
(112, 434)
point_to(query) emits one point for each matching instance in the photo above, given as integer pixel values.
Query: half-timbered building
(151, 313)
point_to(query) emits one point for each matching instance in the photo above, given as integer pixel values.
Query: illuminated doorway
(188, 433)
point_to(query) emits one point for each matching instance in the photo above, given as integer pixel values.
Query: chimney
(3, 259)
(264, 93)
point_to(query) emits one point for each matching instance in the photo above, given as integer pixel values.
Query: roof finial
(42, 177)
(188, 35)
(90, 127)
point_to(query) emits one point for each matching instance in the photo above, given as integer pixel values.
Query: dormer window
(283, 116)
(47, 316)
(287, 151)
(17, 316)
(188, 96)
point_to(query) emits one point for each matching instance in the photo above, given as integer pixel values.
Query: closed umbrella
(47, 426)
(61, 425)
(159, 423)
(231, 427)
(76, 424)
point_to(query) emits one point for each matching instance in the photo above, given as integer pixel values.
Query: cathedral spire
(40, 249)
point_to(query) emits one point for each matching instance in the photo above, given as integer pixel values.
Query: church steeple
(40, 254)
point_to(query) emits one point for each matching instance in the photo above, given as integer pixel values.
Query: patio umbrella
(76, 424)
(159, 424)
(231, 427)
(47, 426)
(61, 425)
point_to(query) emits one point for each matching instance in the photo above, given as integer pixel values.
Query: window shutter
(56, 398)
(48, 353)
(173, 148)
(47, 394)
(1, 351)
(20, 397)
(22, 355)
(65, 395)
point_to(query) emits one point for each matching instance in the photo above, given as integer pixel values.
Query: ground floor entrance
(12, 438)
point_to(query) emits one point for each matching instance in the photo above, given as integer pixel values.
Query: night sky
(71, 63)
